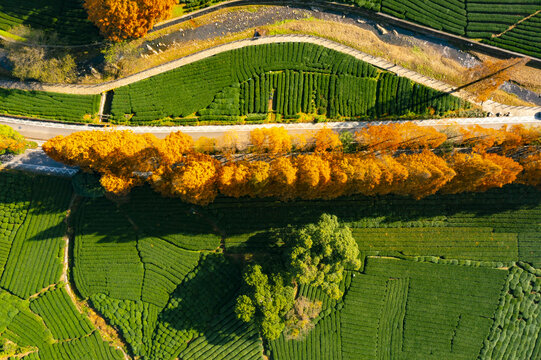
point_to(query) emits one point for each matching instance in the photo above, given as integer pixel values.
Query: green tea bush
(286, 79)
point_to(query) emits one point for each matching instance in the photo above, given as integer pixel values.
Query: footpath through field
(489, 106)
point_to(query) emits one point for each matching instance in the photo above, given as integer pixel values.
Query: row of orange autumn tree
(396, 158)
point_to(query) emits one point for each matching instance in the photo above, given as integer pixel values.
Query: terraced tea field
(286, 79)
(447, 277)
(37, 316)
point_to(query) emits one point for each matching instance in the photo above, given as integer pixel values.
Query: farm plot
(60, 315)
(467, 243)
(106, 259)
(177, 93)
(48, 326)
(165, 267)
(508, 26)
(190, 311)
(35, 257)
(450, 15)
(512, 25)
(517, 326)
(325, 340)
(90, 347)
(136, 320)
(360, 316)
(499, 225)
(143, 284)
(67, 18)
(287, 79)
(15, 196)
(180, 224)
(36, 335)
(48, 105)
(225, 338)
(420, 310)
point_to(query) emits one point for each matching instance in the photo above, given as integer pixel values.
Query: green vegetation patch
(468, 243)
(60, 315)
(106, 259)
(446, 277)
(445, 310)
(286, 79)
(478, 19)
(35, 258)
(180, 224)
(47, 326)
(325, 340)
(15, 196)
(517, 326)
(49, 105)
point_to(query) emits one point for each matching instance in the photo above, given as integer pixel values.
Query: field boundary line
(515, 24)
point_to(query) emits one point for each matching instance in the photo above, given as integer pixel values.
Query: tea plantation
(37, 316)
(446, 277)
(285, 79)
(49, 105)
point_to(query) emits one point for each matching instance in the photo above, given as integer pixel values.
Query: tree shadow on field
(261, 242)
(180, 223)
(68, 18)
(37, 196)
(169, 218)
(204, 301)
(238, 216)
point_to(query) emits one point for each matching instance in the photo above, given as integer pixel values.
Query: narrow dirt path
(105, 330)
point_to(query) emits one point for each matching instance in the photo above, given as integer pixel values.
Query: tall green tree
(267, 300)
(315, 255)
(318, 254)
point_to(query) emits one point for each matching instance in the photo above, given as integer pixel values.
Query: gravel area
(522, 93)
(236, 21)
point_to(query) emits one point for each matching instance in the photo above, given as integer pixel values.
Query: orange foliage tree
(244, 178)
(193, 180)
(327, 140)
(313, 175)
(12, 142)
(389, 138)
(363, 173)
(282, 178)
(274, 140)
(427, 173)
(531, 174)
(480, 139)
(205, 145)
(379, 137)
(528, 135)
(173, 168)
(125, 19)
(479, 172)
